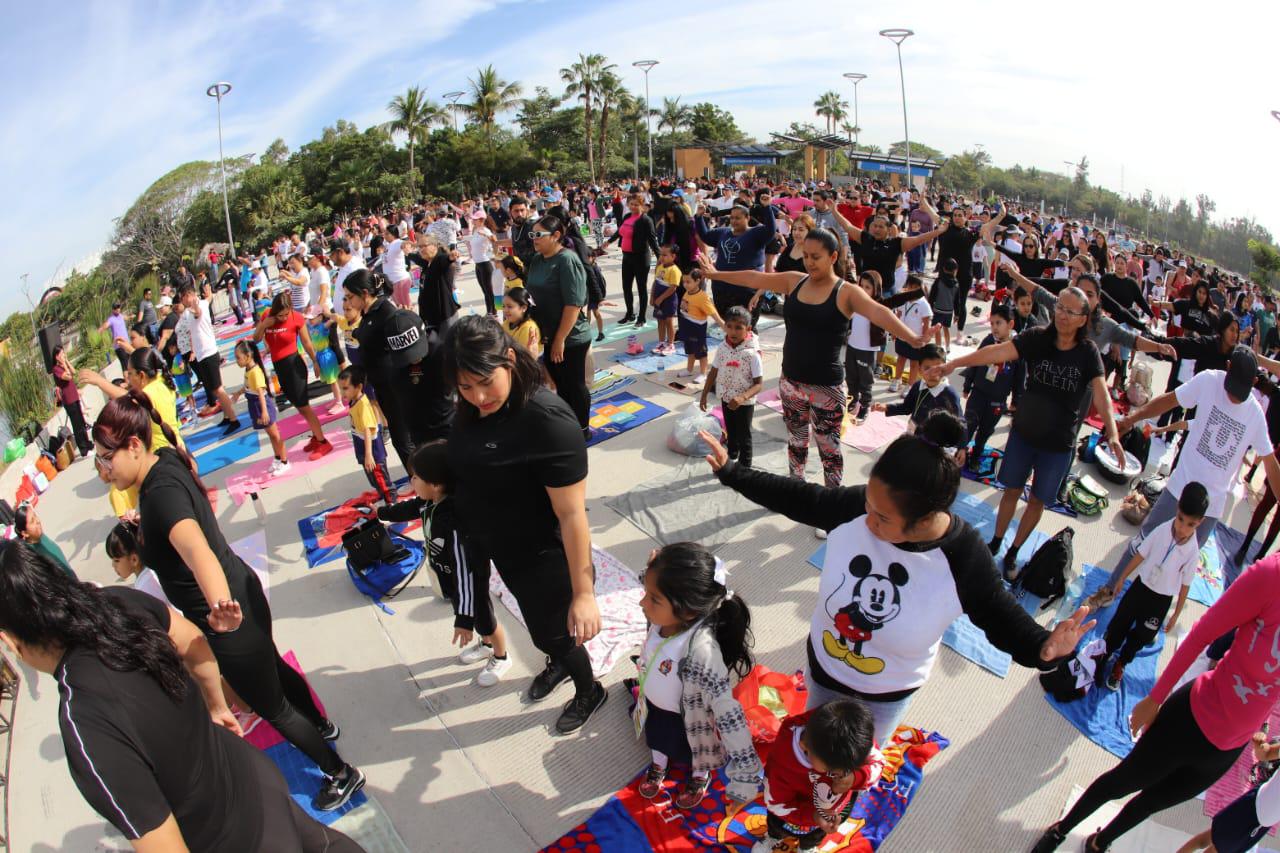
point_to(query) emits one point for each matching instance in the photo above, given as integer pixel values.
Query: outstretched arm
(778, 282)
(909, 243)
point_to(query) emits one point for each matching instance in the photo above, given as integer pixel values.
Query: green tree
(711, 123)
(919, 151)
(832, 108)
(582, 80)
(1266, 261)
(412, 114)
(277, 153)
(491, 96)
(610, 93)
(674, 116)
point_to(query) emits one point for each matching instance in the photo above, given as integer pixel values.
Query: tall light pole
(1070, 182)
(645, 65)
(855, 78)
(217, 91)
(898, 36)
(452, 97)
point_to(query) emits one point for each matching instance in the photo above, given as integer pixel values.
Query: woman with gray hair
(1063, 369)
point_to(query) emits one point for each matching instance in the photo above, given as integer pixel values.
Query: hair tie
(728, 594)
(719, 573)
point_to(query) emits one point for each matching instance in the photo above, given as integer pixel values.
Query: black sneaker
(627, 318)
(329, 731)
(545, 682)
(600, 337)
(229, 427)
(640, 321)
(994, 546)
(1011, 563)
(1053, 836)
(580, 708)
(1115, 676)
(336, 790)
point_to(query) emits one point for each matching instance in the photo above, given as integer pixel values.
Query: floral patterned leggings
(823, 407)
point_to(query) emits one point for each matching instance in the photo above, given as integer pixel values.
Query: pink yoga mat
(295, 424)
(263, 735)
(1236, 780)
(875, 432)
(255, 478)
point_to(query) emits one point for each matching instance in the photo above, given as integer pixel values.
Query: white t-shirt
(1267, 803)
(319, 282)
(353, 263)
(860, 333)
(1220, 434)
(915, 313)
(393, 262)
(1166, 566)
(479, 246)
(662, 685)
(203, 341)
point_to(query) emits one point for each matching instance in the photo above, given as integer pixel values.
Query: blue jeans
(887, 715)
(1165, 508)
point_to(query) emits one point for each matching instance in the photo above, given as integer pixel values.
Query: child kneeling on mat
(462, 573)
(819, 763)
(699, 634)
(1166, 563)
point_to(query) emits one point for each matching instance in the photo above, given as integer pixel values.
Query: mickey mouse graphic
(874, 602)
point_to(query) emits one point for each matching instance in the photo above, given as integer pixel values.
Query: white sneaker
(278, 468)
(819, 533)
(476, 653)
(493, 671)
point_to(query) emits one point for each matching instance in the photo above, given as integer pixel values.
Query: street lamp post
(217, 91)
(452, 97)
(855, 78)
(1070, 181)
(898, 36)
(645, 65)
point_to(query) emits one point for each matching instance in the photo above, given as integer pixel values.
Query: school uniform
(695, 310)
(263, 415)
(987, 387)
(1166, 567)
(913, 315)
(363, 419)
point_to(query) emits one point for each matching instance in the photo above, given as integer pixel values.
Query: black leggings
(570, 377)
(1172, 762)
(981, 416)
(484, 275)
(859, 375)
(540, 582)
(253, 667)
(397, 425)
(286, 828)
(79, 430)
(1265, 505)
(635, 268)
(737, 425)
(962, 297)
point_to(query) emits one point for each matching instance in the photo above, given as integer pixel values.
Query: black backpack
(1045, 574)
(1136, 443)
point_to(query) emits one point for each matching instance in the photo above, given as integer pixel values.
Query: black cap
(406, 338)
(1242, 369)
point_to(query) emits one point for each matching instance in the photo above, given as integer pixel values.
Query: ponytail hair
(43, 606)
(524, 299)
(920, 470)
(251, 349)
(150, 364)
(122, 540)
(131, 416)
(685, 575)
(831, 245)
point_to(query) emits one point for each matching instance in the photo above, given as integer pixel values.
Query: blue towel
(304, 779)
(968, 641)
(650, 363)
(212, 435)
(1103, 715)
(236, 450)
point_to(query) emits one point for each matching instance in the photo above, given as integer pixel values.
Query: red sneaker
(312, 444)
(324, 448)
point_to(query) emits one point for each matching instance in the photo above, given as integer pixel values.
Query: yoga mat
(987, 468)
(629, 823)
(622, 331)
(1057, 506)
(647, 362)
(253, 550)
(622, 412)
(295, 424)
(236, 450)
(369, 826)
(1103, 715)
(688, 504)
(770, 398)
(622, 622)
(1235, 781)
(875, 432)
(606, 383)
(320, 544)
(668, 380)
(256, 479)
(212, 435)
(1218, 568)
(303, 776)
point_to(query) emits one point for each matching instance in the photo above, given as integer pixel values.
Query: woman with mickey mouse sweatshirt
(899, 568)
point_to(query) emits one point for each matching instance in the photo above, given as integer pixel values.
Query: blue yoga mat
(209, 436)
(650, 363)
(305, 779)
(1103, 715)
(1218, 567)
(236, 450)
(633, 412)
(311, 529)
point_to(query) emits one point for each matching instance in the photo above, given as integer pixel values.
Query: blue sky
(104, 97)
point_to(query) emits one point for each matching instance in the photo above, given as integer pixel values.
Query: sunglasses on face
(537, 234)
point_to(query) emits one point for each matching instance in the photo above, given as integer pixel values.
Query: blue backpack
(388, 578)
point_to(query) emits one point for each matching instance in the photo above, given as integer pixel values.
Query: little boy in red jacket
(822, 759)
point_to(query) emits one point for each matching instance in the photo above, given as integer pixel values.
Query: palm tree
(412, 114)
(832, 108)
(611, 93)
(490, 96)
(582, 79)
(674, 116)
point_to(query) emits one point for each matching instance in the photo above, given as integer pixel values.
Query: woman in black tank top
(819, 305)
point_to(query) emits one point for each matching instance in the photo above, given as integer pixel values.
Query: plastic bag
(684, 436)
(767, 698)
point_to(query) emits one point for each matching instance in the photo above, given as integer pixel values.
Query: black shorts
(942, 318)
(292, 373)
(209, 370)
(1235, 828)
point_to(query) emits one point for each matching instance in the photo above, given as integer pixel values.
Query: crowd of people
(489, 413)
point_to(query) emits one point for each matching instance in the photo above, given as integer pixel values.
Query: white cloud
(106, 101)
